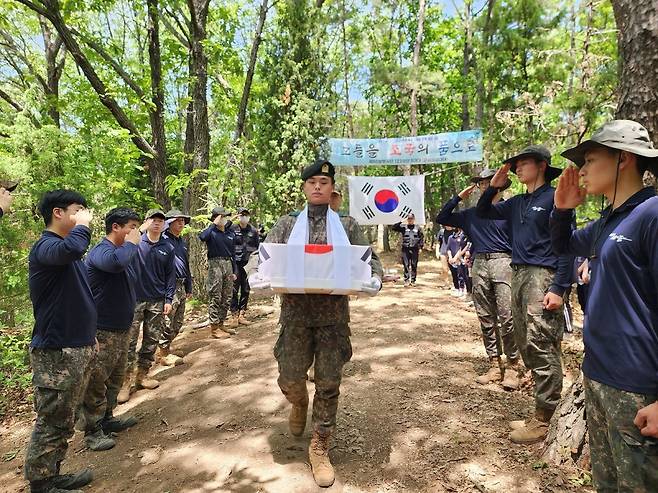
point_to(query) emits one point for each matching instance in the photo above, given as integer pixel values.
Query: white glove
(256, 281)
(372, 287)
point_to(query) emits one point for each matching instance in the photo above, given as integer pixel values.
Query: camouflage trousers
(174, 321)
(492, 297)
(151, 313)
(538, 332)
(295, 350)
(106, 373)
(58, 377)
(220, 289)
(623, 460)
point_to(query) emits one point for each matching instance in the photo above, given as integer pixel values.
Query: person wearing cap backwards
(621, 328)
(412, 242)
(539, 280)
(112, 277)
(492, 276)
(176, 222)
(315, 326)
(155, 290)
(246, 243)
(222, 270)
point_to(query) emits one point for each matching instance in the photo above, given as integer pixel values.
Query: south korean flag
(387, 200)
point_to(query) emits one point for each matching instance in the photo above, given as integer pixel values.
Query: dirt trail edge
(411, 418)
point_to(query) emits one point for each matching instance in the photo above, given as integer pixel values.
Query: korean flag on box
(388, 199)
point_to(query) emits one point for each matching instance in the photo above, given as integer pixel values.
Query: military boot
(167, 358)
(227, 329)
(512, 380)
(115, 424)
(242, 318)
(142, 381)
(217, 332)
(535, 429)
(297, 418)
(235, 319)
(494, 374)
(98, 441)
(49, 486)
(74, 480)
(127, 388)
(318, 454)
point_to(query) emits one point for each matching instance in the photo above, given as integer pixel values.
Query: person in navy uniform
(621, 328)
(539, 280)
(412, 242)
(246, 244)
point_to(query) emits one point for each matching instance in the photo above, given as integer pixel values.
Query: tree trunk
(346, 74)
(201, 134)
(466, 66)
(481, 73)
(157, 163)
(637, 22)
(53, 46)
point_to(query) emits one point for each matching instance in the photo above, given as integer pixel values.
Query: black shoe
(118, 423)
(72, 481)
(48, 486)
(98, 441)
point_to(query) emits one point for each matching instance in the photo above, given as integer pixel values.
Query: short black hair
(60, 199)
(120, 216)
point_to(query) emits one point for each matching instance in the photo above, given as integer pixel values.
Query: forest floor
(411, 417)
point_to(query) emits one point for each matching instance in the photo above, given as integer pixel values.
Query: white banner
(388, 199)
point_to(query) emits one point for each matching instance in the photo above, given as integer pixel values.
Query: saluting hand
(569, 194)
(646, 420)
(134, 236)
(464, 194)
(552, 301)
(500, 178)
(146, 225)
(83, 217)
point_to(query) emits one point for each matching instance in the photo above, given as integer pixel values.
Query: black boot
(75, 480)
(114, 424)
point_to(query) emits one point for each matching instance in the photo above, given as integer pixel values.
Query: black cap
(538, 152)
(321, 167)
(243, 211)
(219, 211)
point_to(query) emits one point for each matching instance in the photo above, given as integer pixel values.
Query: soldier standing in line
(412, 242)
(155, 290)
(63, 338)
(173, 324)
(315, 326)
(112, 277)
(539, 280)
(246, 243)
(222, 271)
(492, 275)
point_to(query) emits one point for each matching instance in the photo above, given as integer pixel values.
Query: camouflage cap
(219, 211)
(624, 135)
(538, 152)
(175, 214)
(155, 212)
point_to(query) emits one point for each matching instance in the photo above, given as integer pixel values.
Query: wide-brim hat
(175, 214)
(624, 135)
(488, 174)
(538, 152)
(155, 213)
(219, 211)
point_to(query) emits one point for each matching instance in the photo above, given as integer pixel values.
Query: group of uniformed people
(87, 313)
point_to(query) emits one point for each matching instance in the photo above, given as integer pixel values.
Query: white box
(319, 276)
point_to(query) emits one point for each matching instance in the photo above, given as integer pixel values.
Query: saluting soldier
(316, 326)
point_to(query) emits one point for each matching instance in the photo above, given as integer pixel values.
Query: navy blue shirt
(157, 281)
(181, 259)
(112, 277)
(63, 304)
(528, 216)
(455, 243)
(486, 236)
(621, 327)
(220, 243)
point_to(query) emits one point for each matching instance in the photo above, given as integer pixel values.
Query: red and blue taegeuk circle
(386, 200)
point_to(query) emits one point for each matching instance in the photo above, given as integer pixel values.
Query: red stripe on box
(318, 249)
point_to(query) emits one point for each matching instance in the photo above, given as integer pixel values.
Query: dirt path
(411, 418)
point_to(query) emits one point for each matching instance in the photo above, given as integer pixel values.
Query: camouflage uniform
(622, 459)
(492, 297)
(152, 314)
(174, 322)
(220, 288)
(315, 326)
(106, 373)
(538, 332)
(58, 379)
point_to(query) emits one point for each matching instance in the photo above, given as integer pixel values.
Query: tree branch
(181, 37)
(11, 102)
